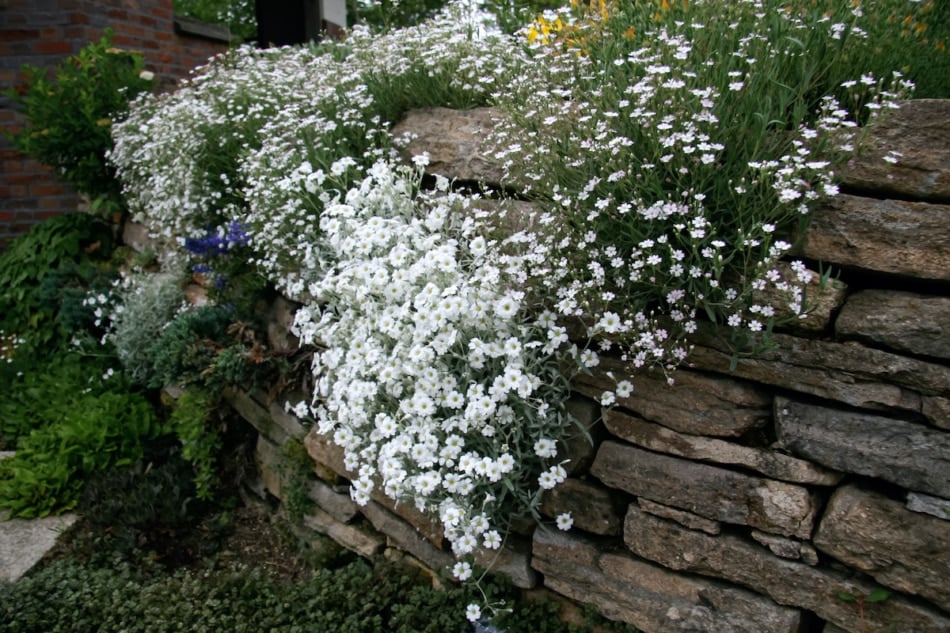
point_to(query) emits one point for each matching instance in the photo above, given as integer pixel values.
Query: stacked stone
(779, 493)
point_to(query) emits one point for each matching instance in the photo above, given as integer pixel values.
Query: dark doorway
(284, 22)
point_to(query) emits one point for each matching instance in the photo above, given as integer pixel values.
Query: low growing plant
(74, 433)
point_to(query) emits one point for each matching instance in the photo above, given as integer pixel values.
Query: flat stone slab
(23, 542)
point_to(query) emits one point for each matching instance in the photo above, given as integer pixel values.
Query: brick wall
(42, 33)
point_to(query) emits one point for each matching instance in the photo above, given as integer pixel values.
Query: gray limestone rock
(920, 131)
(654, 599)
(911, 455)
(911, 239)
(901, 549)
(709, 491)
(902, 321)
(787, 582)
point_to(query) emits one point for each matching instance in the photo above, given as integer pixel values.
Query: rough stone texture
(24, 542)
(355, 538)
(337, 504)
(786, 547)
(288, 422)
(910, 239)
(268, 456)
(684, 518)
(456, 141)
(934, 506)
(920, 131)
(768, 462)
(695, 403)
(653, 599)
(847, 372)
(579, 448)
(903, 321)
(822, 300)
(262, 418)
(937, 411)
(709, 491)
(592, 506)
(406, 537)
(513, 560)
(136, 235)
(907, 454)
(324, 452)
(785, 581)
(899, 548)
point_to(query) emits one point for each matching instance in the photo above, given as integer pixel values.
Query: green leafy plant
(192, 421)
(44, 275)
(355, 598)
(76, 432)
(237, 15)
(296, 472)
(862, 600)
(70, 115)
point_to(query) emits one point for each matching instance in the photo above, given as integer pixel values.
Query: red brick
(11, 35)
(47, 189)
(55, 48)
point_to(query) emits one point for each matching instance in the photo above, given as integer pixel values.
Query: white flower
(564, 521)
(462, 571)
(473, 612)
(545, 447)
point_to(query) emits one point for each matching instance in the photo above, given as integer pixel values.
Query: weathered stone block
(786, 547)
(355, 538)
(257, 415)
(903, 321)
(937, 411)
(847, 372)
(934, 506)
(822, 299)
(684, 518)
(579, 448)
(406, 537)
(920, 131)
(590, 504)
(709, 491)
(278, 319)
(910, 239)
(899, 548)
(512, 560)
(654, 599)
(337, 504)
(768, 462)
(456, 141)
(907, 454)
(267, 456)
(695, 403)
(787, 582)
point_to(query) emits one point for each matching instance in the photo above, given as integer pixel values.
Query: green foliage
(355, 598)
(149, 302)
(70, 116)
(45, 273)
(77, 428)
(237, 15)
(149, 505)
(187, 348)
(392, 14)
(297, 469)
(201, 441)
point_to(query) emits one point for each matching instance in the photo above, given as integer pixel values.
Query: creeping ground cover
(669, 150)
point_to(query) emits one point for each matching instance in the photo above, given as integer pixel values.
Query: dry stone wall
(746, 498)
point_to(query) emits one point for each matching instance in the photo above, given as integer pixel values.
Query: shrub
(70, 116)
(76, 432)
(44, 275)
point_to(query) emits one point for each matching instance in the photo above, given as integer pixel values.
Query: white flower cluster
(431, 379)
